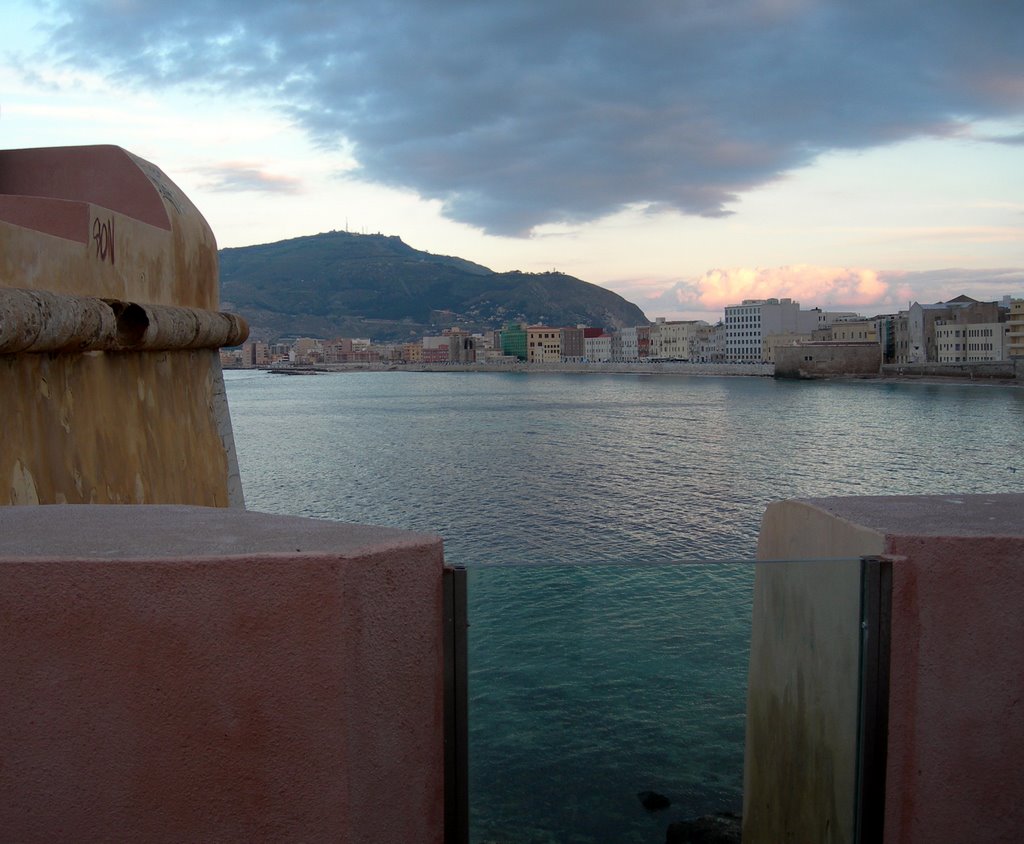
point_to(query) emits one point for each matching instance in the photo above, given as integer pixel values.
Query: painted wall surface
(956, 712)
(955, 732)
(802, 698)
(99, 221)
(205, 674)
(109, 427)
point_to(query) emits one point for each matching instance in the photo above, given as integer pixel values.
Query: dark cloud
(520, 113)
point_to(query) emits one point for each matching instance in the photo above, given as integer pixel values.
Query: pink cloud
(810, 285)
(836, 288)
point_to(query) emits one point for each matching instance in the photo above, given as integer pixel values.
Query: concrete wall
(205, 674)
(999, 369)
(109, 426)
(802, 699)
(955, 731)
(818, 360)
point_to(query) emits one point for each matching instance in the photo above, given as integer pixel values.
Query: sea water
(603, 659)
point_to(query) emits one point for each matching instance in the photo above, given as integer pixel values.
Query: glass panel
(589, 686)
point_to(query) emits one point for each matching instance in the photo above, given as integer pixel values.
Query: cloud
(1009, 140)
(862, 290)
(236, 176)
(516, 114)
(810, 285)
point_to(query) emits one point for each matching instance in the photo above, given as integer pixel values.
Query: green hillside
(343, 284)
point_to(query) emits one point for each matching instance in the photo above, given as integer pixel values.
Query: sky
(687, 154)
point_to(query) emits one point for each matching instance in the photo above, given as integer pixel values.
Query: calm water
(591, 683)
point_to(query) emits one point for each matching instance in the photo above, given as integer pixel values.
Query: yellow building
(543, 344)
(855, 331)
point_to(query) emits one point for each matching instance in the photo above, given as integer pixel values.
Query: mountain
(339, 284)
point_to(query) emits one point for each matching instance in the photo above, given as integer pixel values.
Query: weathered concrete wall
(821, 360)
(101, 410)
(130, 428)
(955, 732)
(802, 699)
(998, 369)
(204, 674)
(99, 221)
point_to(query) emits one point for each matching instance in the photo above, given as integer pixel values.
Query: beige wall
(813, 360)
(128, 428)
(110, 426)
(801, 743)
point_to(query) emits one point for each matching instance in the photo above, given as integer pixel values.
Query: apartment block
(675, 340)
(543, 344)
(747, 324)
(1015, 333)
(972, 342)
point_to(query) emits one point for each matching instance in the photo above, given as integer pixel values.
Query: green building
(513, 340)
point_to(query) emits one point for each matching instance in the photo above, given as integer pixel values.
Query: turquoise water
(590, 683)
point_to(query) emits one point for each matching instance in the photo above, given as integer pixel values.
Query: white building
(749, 323)
(598, 349)
(626, 345)
(971, 342)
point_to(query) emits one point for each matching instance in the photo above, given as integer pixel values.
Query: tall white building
(747, 324)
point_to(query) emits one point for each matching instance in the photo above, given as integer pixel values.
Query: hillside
(343, 284)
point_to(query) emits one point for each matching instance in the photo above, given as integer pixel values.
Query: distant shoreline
(677, 369)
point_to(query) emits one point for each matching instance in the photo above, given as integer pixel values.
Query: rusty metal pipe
(39, 321)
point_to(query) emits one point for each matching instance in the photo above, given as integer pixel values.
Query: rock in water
(652, 801)
(720, 828)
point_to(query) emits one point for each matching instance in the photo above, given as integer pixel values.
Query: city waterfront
(588, 682)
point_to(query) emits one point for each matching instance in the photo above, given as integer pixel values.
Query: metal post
(456, 721)
(873, 723)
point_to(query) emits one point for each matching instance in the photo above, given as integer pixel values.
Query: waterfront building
(624, 345)
(255, 353)
(816, 359)
(643, 341)
(971, 342)
(921, 319)
(436, 349)
(675, 340)
(572, 343)
(461, 346)
(598, 348)
(771, 343)
(854, 331)
(713, 348)
(543, 344)
(337, 351)
(747, 324)
(1015, 333)
(513, 340)
(306, 350)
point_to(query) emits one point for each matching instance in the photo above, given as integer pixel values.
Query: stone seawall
(1004, 369)
(758, 369)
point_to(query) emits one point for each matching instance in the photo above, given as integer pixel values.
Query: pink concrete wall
(956, 685)
(203, 674)
(956, 709)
